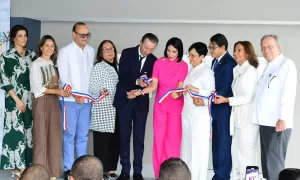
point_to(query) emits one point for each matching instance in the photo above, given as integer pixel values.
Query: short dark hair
(42, 42)
(177, 44)
(289, 174)
(14, 30)
(87, 167)
(249, 50)
(200, 48)
(174, 169)
(77, 24)
(35, 172)
(220, 40)
(99, 56)
(152, 38)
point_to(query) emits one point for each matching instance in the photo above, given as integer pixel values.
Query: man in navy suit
(222, 65)
(132, 111)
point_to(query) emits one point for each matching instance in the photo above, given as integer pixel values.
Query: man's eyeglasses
(212, 47)
(108, 49)
(83, 35)
(192, 55)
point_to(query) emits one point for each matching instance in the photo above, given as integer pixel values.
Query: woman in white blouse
(244, 132)
(45, 108)
(104, 121)
(196, 119)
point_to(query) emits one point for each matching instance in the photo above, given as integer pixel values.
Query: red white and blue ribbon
(68, 87)
(211, 98)
(164, 97)
(147, 80)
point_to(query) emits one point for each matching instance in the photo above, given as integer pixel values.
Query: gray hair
(271, 36)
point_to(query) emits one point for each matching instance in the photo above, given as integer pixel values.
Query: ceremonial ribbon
(147, 80)
(211, 98)
(68, 88)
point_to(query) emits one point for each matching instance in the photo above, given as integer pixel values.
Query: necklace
(22, 52)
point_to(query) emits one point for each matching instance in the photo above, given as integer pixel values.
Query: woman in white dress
(196, 119)
(244, 132)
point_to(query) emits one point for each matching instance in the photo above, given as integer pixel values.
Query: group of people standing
(251, 99)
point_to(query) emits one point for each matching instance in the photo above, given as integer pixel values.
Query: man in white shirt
(75, 63)
(274, 106)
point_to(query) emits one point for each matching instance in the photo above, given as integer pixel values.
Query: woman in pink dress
(169, 73)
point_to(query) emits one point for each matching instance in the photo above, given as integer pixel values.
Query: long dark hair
(99, 56)
(42, 42)
(177, 44)
(249, 50)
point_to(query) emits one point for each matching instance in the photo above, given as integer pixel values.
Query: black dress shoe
(106, 177)
(138, 177)
(66, 174)
(123, 177)
(113, 175)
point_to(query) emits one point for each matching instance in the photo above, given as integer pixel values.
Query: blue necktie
(215, 64)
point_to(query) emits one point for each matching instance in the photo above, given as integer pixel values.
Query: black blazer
(129, 72)
(223, 80)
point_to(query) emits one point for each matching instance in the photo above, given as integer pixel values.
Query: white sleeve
(36, 80)
(63, 67)
(209, 86)
(288, 76)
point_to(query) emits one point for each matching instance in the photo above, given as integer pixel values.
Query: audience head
(81, 34)
(218, 45)
(174, 49)
(18, 36)
(47, 48)
(242, 51)
(174, 169)
(107, 51)
(197, 53)
(35, 172)
(87, 167)
(148, 44)
(289, 174)
(270, 47)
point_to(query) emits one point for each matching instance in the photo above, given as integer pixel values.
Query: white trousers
(195, 145)
(243, 149)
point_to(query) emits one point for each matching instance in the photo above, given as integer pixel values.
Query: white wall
(274, 10)
(128, 34)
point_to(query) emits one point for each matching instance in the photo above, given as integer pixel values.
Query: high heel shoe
(15, 173)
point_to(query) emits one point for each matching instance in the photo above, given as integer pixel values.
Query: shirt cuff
(7, 88)
(230, 101)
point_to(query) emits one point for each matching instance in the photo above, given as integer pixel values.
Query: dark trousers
(221, 149)
(130, 118)
(107, 147)
(273, 150)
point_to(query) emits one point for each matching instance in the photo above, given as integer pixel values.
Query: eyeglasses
(212, 47)
(192, 55)
(108, 49)
(84, 35)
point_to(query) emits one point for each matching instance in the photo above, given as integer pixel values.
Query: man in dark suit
(132, 111)
(222, 65)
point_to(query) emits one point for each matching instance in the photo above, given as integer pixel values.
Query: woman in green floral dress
(17, 132)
